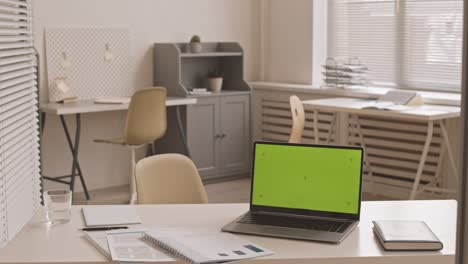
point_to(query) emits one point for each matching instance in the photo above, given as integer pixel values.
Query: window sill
(439, 98)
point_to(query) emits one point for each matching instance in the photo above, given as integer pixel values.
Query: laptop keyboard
(299, 223)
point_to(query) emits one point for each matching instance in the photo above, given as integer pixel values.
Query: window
(411, 44)
(19, 153)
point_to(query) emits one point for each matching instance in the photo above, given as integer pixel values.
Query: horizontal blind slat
(11, 23)
(17, 88)
(16, 66)
(16, 59)
(18, 73)
(15, 52)
(15, 2)
(6, 16)
(14, 114)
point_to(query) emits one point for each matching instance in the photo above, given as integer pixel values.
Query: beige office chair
(145, 123)
(169, 179)
(298, 119)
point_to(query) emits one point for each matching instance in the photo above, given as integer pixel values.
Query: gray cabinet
(235, 130)
(218, 126)
(202, 133)
(218, 134)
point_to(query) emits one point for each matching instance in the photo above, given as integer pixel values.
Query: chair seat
(119, 141)
(116, 141)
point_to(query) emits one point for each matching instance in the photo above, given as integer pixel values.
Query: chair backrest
(146, 116)
(169, 179)
(298, 119)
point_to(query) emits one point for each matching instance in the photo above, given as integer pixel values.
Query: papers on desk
(196, 245)
(393, 100)
(112, 100)
(200, 91)
(99, 241)
(126, 246)
(383, 105)
(203, 245)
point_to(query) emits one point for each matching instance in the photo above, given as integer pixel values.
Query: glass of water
(58, 206)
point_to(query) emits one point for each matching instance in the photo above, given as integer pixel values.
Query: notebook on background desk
(110, 215)
(112, 100)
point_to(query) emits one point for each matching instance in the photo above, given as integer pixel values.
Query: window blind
(19, 137)
(411, 44)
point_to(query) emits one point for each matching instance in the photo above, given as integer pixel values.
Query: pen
(106, 228)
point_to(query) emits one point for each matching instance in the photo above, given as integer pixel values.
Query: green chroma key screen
(307, 177)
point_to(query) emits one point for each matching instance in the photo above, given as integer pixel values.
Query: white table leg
(366, 156)
(427, 145)
(332, 127)
(449, 149)
(316, 133)
(133, 192)
(439, 163)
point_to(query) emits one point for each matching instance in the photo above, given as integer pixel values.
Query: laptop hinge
(302, 216)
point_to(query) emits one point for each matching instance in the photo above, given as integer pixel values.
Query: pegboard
(79, 55)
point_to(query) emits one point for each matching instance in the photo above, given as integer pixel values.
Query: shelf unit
(211, 54)
(179, 70)
(218, 126)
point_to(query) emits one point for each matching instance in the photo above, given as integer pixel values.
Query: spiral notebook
(126, 246)
(202, 245)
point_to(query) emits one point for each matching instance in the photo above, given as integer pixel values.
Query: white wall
(149, 21)
(288, 33)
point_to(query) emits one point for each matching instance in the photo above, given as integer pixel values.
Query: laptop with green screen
(310, 192)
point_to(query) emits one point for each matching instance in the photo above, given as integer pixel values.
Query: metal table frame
(75, 143)
(74, 147)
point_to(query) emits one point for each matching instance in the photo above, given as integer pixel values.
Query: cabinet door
(202, 132)
(235, 131)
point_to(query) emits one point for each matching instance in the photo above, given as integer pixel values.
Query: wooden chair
(169, 179)
(298, 119)
(146, 122)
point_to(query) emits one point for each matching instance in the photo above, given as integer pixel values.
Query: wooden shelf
(210, 54)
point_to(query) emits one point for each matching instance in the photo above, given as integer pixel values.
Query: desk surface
(65, 243)
(353, 106)
(88, 106)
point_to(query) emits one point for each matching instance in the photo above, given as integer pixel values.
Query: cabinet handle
(218, 136)
(223, 135)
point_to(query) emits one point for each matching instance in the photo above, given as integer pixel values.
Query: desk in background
(432, 115)
(38, 244)
(88, 106)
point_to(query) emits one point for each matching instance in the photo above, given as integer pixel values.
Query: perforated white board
(88, 73)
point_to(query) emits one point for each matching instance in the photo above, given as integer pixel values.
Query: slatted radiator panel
(394, 149)
(276, 122)
(19, 152)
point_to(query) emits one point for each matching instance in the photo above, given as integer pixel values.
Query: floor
(232, 191)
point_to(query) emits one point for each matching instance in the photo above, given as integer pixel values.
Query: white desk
(353, 106)
(88, 106)
(65, 244)
(432, 114)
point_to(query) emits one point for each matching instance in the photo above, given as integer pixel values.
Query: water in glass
(58, 206)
